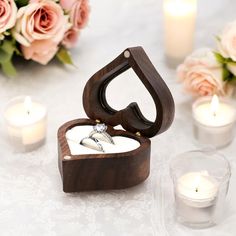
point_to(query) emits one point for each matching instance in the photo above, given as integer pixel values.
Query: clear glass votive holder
(26, 123)
(201, 181)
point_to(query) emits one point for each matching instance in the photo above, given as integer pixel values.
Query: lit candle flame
(28, 104)
(214, 104)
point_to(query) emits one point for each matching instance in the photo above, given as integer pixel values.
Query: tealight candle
(214, 121)
(179, 19)
(26, 123)
(198, 189)
(201, 182)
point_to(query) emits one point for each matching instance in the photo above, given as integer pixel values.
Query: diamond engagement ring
(99, 133)
(92, 143)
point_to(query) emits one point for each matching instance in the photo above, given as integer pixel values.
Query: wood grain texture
(102, 171)
(131, 118)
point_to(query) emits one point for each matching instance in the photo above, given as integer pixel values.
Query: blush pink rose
(70, 38)
(202, 75)
(40, 20)
(39, 29)
(8, 12)
(227, 41)
(41, 51)
(78, 11)
(68, 4)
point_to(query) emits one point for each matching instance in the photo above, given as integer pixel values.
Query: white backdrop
(31, 198)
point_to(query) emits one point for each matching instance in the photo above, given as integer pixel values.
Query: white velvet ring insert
(74, 136)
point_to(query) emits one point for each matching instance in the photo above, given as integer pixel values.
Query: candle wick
(28, 112)
(196, 190)
(214, 114)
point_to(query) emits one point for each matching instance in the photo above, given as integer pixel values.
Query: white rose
(227, 43)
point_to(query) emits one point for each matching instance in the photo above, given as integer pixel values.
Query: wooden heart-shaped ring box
(118, 170)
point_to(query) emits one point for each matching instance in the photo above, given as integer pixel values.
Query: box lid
(131, 118)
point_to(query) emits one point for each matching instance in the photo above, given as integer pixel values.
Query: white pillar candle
(179, 27)
(26, 122)
(214, 121)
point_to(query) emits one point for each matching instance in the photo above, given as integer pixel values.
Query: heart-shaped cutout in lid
(131, 118)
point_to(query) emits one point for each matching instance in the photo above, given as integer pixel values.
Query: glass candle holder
(26, 123)
(214, 121)
(201, 181)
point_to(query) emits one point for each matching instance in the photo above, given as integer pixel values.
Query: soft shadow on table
(36, 67)
(132, 191)
(116, 201)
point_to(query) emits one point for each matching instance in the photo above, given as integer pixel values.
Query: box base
(88, 172)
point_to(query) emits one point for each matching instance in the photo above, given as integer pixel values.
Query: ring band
(92, 143)
(99, 133)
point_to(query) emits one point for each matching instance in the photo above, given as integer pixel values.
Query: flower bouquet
(207, 71)
(39, 30)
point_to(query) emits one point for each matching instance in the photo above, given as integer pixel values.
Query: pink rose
(40, 28)
(227, 41)
(41, 51)
(68, 4)
(38, 21)
(8, 12)
(70, 38)
(78, 11)
(202, 75)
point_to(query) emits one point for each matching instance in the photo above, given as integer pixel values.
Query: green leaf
(21, 3)
(226, 74)
(18, 52)
(64, 56)
(4, 56)
(217, 38)
(8, 47)
(8, 68)
(231, 78)
(219, 58)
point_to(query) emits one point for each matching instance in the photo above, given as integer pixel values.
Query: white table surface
(31, 198)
